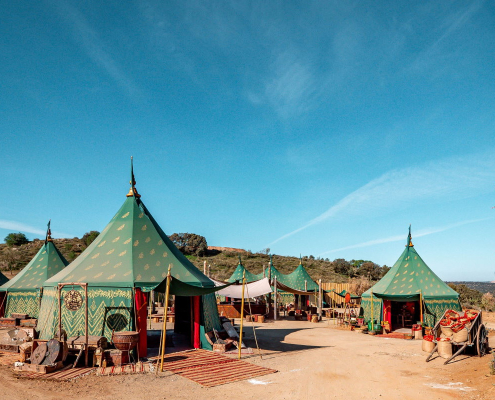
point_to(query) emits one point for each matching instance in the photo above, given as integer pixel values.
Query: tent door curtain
(141, 302)
(196, 322)
(404, 313)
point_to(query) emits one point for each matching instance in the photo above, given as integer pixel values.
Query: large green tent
(131, 254)
(24, 291)
(407, 281)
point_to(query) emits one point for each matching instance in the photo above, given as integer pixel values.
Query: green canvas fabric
(25, 302)
(299, 279)
(365, 309)
(132, 251)
(209, 319)
(239, 271)
(46, 263)
(3, 279)
(409, 278)
(108, 309)
(344, 292)
(435, 308)
(179, 288)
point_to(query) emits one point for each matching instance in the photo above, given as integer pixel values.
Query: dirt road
(313, 360)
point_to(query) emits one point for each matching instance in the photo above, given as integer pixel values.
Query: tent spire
(132, 191)
(240, 262)
(48, 237)
(271, 260)
(300, 258)
(409, 240)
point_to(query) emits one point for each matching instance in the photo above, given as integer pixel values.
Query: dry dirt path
(313, 360)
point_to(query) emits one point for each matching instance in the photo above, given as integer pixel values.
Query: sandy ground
(313, 360)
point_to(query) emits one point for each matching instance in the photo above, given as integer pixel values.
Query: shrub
(16, 239)
(89, 237)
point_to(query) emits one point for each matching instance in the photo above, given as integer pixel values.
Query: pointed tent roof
(271, 272)
(238, 272)
(46, 263)
(409, 277)
(297, 278)
(132, 251)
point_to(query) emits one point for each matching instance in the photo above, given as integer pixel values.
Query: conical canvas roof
(132, 251)
(299, 279)
(46, 263)
(409, 277)
(239, 271)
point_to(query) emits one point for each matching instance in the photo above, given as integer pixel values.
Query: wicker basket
(445, 349)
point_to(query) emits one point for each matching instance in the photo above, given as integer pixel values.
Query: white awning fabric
(251, 290)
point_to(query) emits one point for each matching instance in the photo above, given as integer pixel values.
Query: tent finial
(409, 239)
(48, 237)
(240, 262)
(132, 191)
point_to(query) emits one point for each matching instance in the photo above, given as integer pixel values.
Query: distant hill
(483, 287)
(222, 261)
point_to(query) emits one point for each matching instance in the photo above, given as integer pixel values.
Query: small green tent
(299, 279)
(407, 281)
(240, 271)
(24, 291)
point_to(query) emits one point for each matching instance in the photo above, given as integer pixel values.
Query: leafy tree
(16, 239)
(89, 237)
(467, 296)
(343, 267)
(190, 243)
(370, 270)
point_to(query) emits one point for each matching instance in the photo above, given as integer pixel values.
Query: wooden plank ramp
(65, 374)
(210, 369)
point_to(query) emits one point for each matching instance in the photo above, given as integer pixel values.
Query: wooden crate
(116, 357)
(14, 348)
(19, 316)
(76, 342)
(40, 369)
(29, 323)
(9, 322)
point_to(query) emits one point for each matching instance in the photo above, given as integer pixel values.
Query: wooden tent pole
(421, 306)
(372, 313)
(242, 312)
(275, 309)
(59, 310)
(164, 329)
(320, 304)
(86, 329)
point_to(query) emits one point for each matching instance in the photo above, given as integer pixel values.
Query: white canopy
(251, 290)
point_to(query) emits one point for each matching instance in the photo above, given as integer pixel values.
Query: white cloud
(459, 177)
(397, 238)
(21, 227)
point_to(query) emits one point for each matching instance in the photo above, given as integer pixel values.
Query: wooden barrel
(125, 340)
(261, 318)
(314, 318)
(248, 318)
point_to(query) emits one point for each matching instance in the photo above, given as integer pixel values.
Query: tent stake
(242, 312)
(164, 329)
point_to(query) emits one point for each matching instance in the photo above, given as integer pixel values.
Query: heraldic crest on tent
(24, 291)
(130, 257)
(410, 280)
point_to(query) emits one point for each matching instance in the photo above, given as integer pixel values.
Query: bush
(89, 237)
(190, 243)
(16, 239)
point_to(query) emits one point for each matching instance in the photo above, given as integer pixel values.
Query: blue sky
(322, 128)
